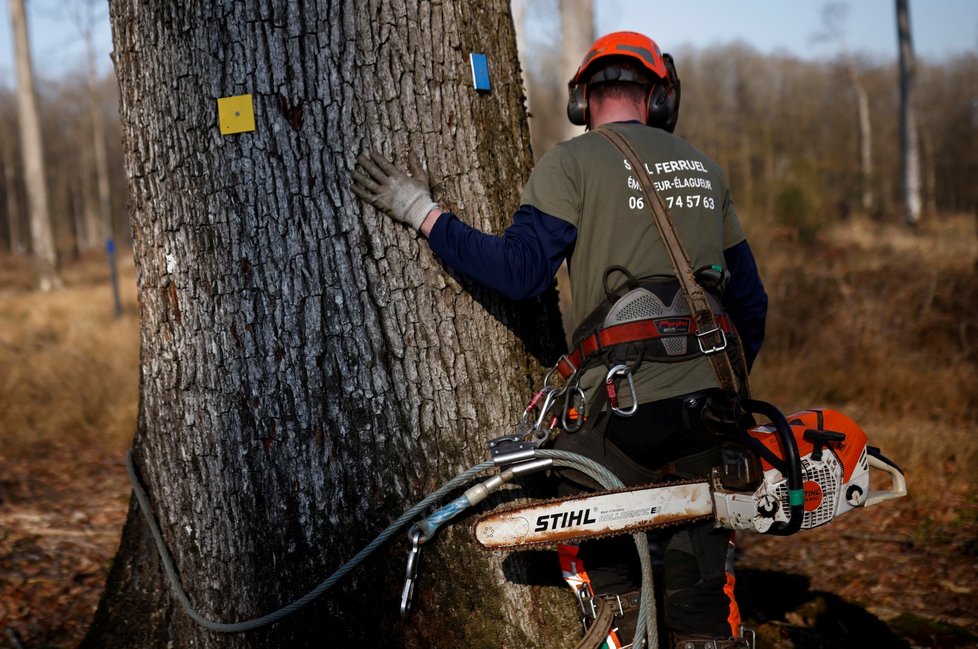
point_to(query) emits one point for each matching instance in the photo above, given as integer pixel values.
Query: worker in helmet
(582, 203)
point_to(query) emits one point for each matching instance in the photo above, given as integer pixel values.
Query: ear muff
(577, 103)
(663, 99)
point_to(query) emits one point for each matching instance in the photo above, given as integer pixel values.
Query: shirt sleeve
(520, 263)
(554, 185)
(733, 231)
(745, 298)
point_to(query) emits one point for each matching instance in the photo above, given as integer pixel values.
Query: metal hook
(575, 391)
(550, 397)
(612, 390)
(411, 573)
(546, 378)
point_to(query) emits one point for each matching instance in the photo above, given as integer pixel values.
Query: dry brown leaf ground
(60, 517)
(910, 564)
(904, 574)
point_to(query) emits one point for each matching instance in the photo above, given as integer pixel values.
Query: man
(583, 203)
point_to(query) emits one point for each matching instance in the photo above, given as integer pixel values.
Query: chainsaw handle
(898, 483)
(792, 468)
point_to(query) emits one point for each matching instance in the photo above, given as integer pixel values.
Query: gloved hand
(406, 198)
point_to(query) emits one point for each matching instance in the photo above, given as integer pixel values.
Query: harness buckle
(563, 363)
(589, 603)
(586, 601)
(744, 631)
(716, 348)
(621, 608)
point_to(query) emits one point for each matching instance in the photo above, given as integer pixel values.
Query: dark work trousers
(697, 592)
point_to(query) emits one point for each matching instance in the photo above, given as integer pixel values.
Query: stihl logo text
(560, 520)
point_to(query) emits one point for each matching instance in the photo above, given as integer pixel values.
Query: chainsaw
(795, 473)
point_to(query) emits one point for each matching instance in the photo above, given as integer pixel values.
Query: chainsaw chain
(589, 537)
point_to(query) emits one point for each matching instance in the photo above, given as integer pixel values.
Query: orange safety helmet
(663, 98)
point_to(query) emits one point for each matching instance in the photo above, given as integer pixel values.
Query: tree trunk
(42, 236)
(308, 368)
(909, 149)
(576, 36)
(101, 229)
(17, 245)
(865, 137)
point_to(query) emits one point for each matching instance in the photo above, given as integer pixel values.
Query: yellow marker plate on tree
(236, 114)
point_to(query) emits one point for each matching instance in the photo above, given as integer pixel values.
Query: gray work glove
(406, 198)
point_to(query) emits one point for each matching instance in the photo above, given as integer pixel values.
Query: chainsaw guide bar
(597, 515)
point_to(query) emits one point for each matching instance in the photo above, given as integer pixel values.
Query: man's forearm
(429, 221)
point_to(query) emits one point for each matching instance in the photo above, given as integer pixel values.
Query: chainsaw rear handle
(792, 465)
(898, 483)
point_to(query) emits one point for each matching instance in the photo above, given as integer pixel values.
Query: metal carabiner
(411, 573)
(580, 408)
(550, 397)
(546, 378)
(612, 390)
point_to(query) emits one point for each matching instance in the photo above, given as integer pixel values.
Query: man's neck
(610, 114)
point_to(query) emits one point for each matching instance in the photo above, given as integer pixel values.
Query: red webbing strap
(692, 291)
(628, 332)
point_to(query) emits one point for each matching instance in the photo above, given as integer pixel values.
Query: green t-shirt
(587, 182)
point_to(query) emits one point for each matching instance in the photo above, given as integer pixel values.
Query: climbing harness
(647, 319)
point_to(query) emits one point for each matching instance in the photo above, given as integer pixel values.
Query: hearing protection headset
(663, 81)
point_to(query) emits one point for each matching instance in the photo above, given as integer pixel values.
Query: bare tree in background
(518, 7)
(576, 36)
(865, 135)
(11, 203)
(909, 148)
(833, 17)
(308, 368)
(101, 230)
(32, 147)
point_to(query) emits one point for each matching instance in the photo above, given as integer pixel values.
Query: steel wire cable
(647, 614)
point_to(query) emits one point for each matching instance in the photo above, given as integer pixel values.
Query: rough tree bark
(909, 148)
(32, 149)
(308, 368)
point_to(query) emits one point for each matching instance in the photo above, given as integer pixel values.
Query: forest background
(868, 315)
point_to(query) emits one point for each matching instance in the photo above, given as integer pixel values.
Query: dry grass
(68, 367)
(881, 322)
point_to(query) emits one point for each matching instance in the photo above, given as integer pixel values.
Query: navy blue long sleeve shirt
(522, 262)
